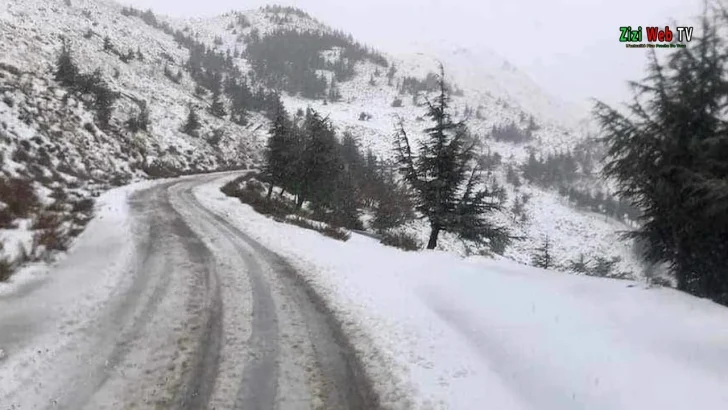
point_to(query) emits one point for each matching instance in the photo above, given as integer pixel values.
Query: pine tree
(604, 267)
(670, 158)
(394, 206)
(447, 179)
(580, 265)
(334, 93)
(277, 153)
(108, 46)
(390, 74)
(346, 201)
(217, 108)
(543, 258)
(103, 103)
(351, 155)
(141, 120)
(321, 163)
(66, 69)
(192, 125)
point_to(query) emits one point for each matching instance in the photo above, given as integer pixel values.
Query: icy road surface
(162, 304)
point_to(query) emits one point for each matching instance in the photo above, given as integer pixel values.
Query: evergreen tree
(108, 46)
(604, 267)
(670, 158)
(66, 69)
(321, 163)
(141, 120)
(370, 180)
(447, 179)
(543, 258)
(580, 265)
(334, 93)
(192, 125)
(217, 108)
(390, 74)
(346, 202)
(351, 155)
(394, 206)
(277, 154)
(104, 98)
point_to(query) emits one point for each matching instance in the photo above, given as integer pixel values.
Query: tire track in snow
(259, 385)
(165, 228)
(345, 384)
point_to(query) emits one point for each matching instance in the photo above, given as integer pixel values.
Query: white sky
(569, 47)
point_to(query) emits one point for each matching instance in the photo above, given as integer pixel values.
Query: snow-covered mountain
(49, 135)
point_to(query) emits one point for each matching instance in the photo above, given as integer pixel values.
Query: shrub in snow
(247, 194)
(50, 233)
(543, 257)
(192, 125)
(6, 218)
(6, 270)
(84, 206)
(397, 103)
(401, 240)
(254, 185)
(336, 233)
(580, 265)
(19, 197)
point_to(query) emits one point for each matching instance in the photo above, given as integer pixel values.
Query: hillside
(52, 142)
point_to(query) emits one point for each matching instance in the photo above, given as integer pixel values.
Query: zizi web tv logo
(656, 37)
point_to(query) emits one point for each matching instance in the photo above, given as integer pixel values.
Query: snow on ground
(110, 225)
(438, 331)
(45, 316)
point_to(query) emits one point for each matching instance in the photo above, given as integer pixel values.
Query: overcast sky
(569, 47)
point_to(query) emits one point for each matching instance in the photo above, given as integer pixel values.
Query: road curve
(203, 317)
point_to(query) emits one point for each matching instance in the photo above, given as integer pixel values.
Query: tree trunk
(270, 191)
(283, 191)
(681, 266)
(299, 202)
(433, 237)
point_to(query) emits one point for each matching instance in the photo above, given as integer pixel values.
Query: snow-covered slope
(494, 93)
(439, 332)
(49, 135)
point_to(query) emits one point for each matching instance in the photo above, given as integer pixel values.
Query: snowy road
(164, 304)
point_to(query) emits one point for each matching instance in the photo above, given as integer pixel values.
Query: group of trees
(127, 57)
(599, 202)
(214, 72)
(305, 158)
(285, 10)
(512, 133)
(556, 169)
(599, 266)
(669, 154)
(442, 181)
(290, 60)
(67, 74)
(413, 85)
